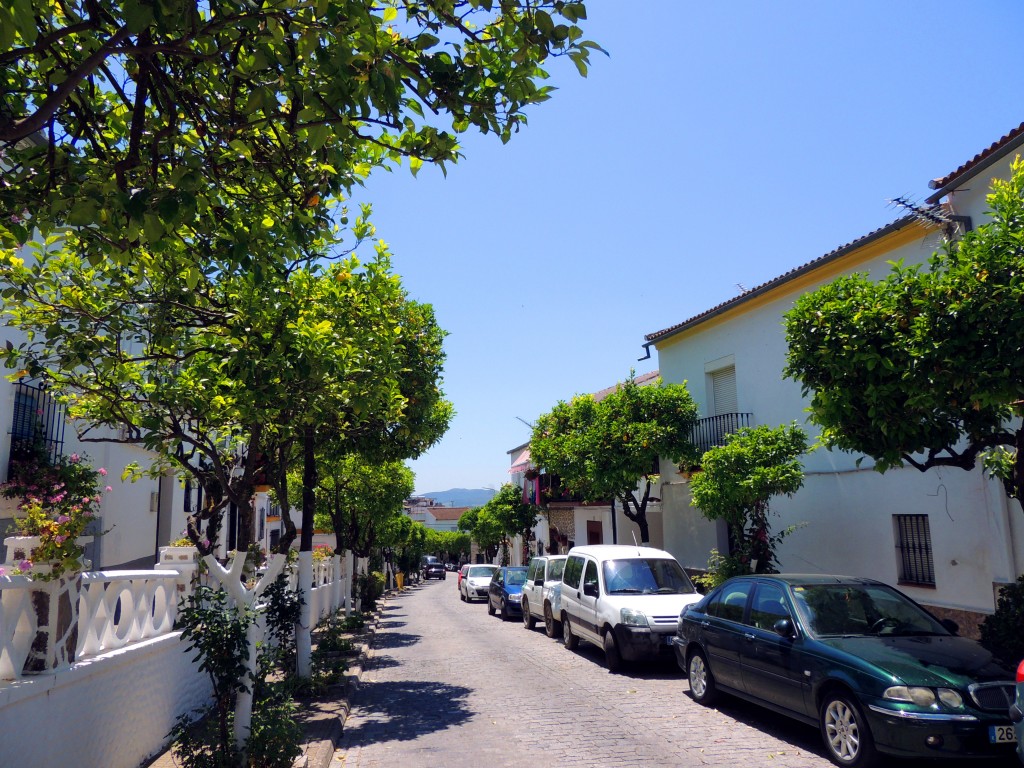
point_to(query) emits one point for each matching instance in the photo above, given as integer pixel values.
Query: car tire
(529, 620)
(702, 682)
(612, 657)
(490, 607)
(844, 729)
(552, 627)
(568, 637)
(504, 610)
(462, 596)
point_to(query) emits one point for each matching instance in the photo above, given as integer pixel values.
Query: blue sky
(720, 144)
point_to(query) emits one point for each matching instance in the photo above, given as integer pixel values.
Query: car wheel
(528, 619)
(612, 657)
(462, 596)
(490, 607)
(702, 682)
(504, 610)
(845, 732)
(552, 627)
(571, 641)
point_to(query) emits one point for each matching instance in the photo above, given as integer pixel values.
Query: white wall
(112, 711)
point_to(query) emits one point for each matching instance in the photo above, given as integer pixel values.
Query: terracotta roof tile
(990, 154)
(809, 266)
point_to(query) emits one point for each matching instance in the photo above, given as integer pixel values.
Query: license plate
(1002, 734)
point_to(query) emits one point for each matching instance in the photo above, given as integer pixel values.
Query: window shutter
(723, 385)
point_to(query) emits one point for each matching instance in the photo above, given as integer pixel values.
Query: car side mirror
(950, 626)
(784, 628)
(590, 590)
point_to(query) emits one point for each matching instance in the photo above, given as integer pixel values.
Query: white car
(624, 599)
(541, 593)
(476, 581)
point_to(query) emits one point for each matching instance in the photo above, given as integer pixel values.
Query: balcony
(710, 432)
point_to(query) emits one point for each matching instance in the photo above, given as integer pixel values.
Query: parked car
(541, 600)
(624, 599)
(505, 591)
(1017, 712)
(431, 568)
(461, 576)
(872, 669)
(476, 581)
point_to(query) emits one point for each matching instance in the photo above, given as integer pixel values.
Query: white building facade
(947, 537)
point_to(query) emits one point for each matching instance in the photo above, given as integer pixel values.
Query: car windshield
(861, 609)
(515, 577)
(555, 568)
(646, 576)
(481, 570)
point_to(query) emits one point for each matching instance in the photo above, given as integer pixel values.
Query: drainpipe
(615, 535)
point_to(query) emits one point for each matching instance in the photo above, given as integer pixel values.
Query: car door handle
(749, 636)
(705, 624)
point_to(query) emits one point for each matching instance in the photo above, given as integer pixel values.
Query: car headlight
(515, 597)
(925, 697)
(950, 698)
(632, 618)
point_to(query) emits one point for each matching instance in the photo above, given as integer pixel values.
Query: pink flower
(63, 519)
(74, 458)
(206, 543)
(60, 539)
(25, 565)
(108, 489)
(102, 471)
(3, 572)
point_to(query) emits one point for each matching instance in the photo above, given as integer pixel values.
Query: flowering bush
(59, 498)
(322, 552)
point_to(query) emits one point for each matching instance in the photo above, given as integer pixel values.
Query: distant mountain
(460, 497)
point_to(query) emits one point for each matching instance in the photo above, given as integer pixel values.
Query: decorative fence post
(184, 560)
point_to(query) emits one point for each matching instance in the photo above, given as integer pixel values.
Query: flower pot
(20, 548)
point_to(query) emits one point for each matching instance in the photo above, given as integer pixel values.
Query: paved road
(451, 687)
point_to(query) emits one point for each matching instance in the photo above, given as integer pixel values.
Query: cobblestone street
(450, 686)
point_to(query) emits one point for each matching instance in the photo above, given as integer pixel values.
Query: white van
(541, 591)
(624, 599)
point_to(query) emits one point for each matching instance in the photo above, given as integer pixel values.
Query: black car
(432, 568)
(868, 666)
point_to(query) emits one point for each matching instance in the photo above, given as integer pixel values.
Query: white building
(949, 538)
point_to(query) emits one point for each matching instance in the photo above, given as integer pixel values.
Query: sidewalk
(323, 718)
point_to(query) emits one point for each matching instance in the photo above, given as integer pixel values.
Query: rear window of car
(555, 568)
(516, 577)
(481, 570)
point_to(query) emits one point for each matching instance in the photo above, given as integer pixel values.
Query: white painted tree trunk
(303, 631)
(245, 599)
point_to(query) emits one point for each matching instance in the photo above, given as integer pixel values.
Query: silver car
(476, 581)
(542, 592)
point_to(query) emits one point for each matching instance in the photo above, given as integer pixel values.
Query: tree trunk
(303, 636)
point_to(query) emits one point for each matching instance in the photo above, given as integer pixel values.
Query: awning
(521, 463)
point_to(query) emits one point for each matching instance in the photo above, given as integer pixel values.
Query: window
(590, 579)
(730, 602)
(723, 390)
(914, 550)
(37, 423)
(573, 572)
(769, 606)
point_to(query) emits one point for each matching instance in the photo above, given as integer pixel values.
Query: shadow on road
(405, 710)
(384, 640)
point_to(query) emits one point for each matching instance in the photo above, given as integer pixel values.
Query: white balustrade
(121, 607)
(17, 624)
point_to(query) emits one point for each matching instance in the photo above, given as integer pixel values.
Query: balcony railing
(710, 432)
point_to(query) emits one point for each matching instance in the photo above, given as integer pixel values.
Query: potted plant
(58, 499)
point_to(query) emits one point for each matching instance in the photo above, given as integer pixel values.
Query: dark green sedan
(860, 660)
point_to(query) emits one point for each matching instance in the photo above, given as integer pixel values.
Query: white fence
(100, 650)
